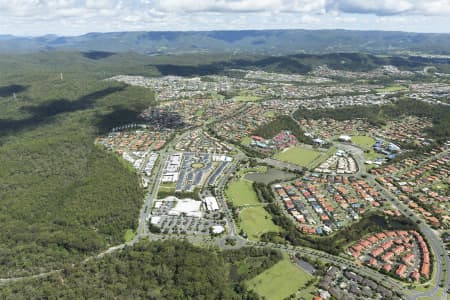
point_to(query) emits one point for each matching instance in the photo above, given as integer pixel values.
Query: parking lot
(193, 220)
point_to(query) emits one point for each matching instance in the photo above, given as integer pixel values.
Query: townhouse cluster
(280, 141)
(422, 184)
(402, 253)
(321, 204)
(200, 141)
(243, 123)
(339, 163)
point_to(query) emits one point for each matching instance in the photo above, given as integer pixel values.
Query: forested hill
(153, 270)
(271, 42)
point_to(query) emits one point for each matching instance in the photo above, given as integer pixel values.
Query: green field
(256, 221)
(391, 89)
(280, 281)
(129, 235)
(298, 156)
(246, 141)
(240, 192)
(166, 188)
(243, 98)
(365, 142)
(257, 169)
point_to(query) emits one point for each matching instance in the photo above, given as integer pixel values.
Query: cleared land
(240, 192)
(280, 281)
(299, 156)
(256, 221)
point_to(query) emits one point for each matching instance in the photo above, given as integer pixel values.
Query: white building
(211, 203)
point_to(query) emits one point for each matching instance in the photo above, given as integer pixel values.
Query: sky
(76, 17)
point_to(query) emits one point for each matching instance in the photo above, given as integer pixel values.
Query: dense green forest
(270, 42)
(377, 115)
(281, 123)
(153, 270)
(62, 198)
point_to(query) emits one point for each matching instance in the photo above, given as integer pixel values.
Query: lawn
(391, 89)
(365, 142)
(243, 98)
(246, 141)
(280, 281)
(255, 221)
(298, 156)
(129, 235)
(257, 169)
(240, 192)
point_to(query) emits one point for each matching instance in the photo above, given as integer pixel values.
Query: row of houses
(403, 252)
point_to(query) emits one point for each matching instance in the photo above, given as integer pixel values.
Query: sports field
(298, 156)
(255, 221)
(240, 192)
(280, 281)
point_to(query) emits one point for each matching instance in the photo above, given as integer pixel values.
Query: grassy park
(255, 221)
(280, 281)
(366, 143)
(303, 157)
(363, 141)
(240, 192)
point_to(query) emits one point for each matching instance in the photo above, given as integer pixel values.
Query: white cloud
(78, 16)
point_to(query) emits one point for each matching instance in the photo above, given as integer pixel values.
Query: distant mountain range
(268, 42)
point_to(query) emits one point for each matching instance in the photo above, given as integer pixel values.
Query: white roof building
(211, 203)
(189, 207)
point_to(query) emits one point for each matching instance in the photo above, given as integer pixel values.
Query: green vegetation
(63, 198)
(279, 281)
(152, 270)
(246, 98)
(392, 89)
(299, 156)
(129, 235)
(364, 141)
(166, 189)
(377, 115)
(240, 192)
(246, 141)
(336, 243)
(255, 221)
(279, 124)
(258, 169)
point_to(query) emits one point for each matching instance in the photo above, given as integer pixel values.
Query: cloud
(390, 7)
(80, 16)
(242, 5)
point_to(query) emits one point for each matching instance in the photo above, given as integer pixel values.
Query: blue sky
(74, 17)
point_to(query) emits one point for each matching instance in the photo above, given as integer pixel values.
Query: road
(143, 232)
(430, 235)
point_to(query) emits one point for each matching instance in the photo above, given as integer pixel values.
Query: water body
(270, 175)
